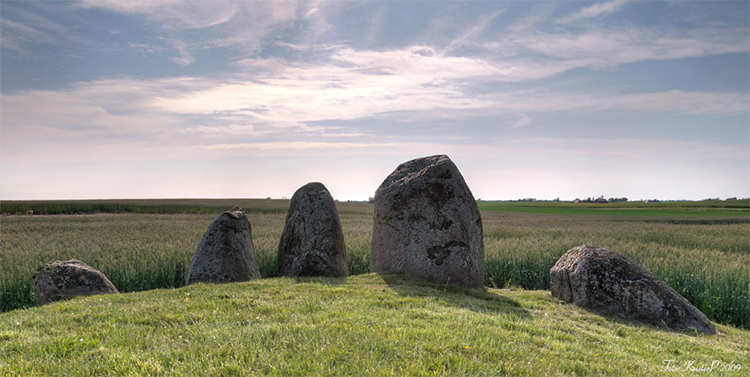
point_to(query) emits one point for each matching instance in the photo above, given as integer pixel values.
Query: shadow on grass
(633, 323)
(636, 323)
(476, 300)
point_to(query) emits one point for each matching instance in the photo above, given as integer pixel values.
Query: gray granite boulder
(225, 253)
(601, 279)
(312, 243)
(426, 223)
(62, 280)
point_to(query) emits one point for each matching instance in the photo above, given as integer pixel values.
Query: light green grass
(363, 325)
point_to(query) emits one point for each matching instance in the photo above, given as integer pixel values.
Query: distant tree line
(618, 200)
(601, 199)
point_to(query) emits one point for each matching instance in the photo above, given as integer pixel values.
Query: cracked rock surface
(426, 223)
(601, 279)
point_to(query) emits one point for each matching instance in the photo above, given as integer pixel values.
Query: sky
(105, 99)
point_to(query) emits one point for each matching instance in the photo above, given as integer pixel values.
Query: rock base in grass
(600, 279)
(62, 280)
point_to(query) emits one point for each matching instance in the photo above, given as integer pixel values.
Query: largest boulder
(601, 279)
(62, 280)
(312, 243)
(225, 253)
(426, 223)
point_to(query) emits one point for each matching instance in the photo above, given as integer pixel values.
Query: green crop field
(705, 258)
(738, 210)
(155, 206)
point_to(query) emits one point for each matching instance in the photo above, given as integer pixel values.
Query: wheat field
(707, 260)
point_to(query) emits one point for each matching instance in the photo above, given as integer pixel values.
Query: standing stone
(601, 279)
(225, 253)
(427, 224)
(312, 243)
(62, 280)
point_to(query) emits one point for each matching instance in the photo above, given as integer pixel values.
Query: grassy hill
(363, 325)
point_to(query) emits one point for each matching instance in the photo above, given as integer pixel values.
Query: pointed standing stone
(225, 253)
(427, 224)
(312, 243)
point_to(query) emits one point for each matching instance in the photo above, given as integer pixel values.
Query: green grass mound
(363, 325)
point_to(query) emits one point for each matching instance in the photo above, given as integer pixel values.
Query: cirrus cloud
(595, 10)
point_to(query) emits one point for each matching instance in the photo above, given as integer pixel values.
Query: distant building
(577, 200)
(600, 200)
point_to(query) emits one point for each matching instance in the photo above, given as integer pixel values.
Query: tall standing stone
(601, 279)
(312, 243)
(427, 224)
(62, 280)
(225, 253)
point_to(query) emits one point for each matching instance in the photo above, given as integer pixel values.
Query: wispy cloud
(243, 26)
(473, 32)
(91, 110)
(15, 35)
(523, 121)
(186, 57)
(596, 10)
(180, 110)
(364, 83)
(608, 48)
(671, 102)
(232, 129)
(412, 83)
(297, 145)
(344, 135)
(174, 14)
(22, 30)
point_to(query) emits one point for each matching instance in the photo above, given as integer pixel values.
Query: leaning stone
(225, 253)
(427, 224)
(312, 243)
(63, 280)
(601, 279)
